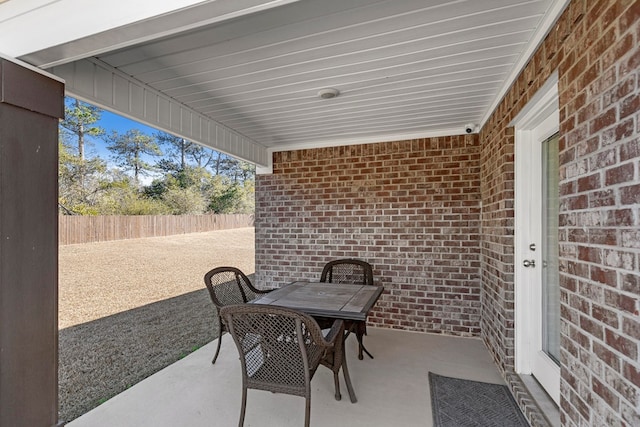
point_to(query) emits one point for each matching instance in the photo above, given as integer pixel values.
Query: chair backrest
(279, 348)
(229, 285)
(347, 271)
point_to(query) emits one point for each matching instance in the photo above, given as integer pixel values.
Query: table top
(340, 301)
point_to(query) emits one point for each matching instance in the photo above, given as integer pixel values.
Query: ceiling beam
(104, 86)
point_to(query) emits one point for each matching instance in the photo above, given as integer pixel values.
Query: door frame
(537, 121)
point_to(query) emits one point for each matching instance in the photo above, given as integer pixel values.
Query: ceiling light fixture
(328, 93)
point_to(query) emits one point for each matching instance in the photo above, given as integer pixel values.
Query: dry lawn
(129, 308)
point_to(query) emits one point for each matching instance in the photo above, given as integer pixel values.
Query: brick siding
(594, 47)
(600, 214)
(409, 208)
(412, 209)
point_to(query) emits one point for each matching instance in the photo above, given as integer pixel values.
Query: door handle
(529, 263)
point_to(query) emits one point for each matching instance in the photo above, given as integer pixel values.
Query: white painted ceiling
(404, 68)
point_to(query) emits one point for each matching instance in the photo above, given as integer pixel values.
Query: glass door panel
(550, 273)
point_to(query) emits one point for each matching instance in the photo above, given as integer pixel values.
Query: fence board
(74, 229)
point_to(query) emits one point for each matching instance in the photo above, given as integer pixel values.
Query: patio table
(345, 302)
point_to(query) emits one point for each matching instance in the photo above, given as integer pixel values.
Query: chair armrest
(336, 331)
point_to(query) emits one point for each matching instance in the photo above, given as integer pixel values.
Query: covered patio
(392, 388)
(463, 148)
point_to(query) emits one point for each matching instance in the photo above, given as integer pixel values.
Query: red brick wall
(600, 215)
(409, 208)
(594, 47)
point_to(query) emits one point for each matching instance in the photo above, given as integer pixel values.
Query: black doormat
(465, 403)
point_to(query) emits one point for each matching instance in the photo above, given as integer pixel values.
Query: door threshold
(545, 403)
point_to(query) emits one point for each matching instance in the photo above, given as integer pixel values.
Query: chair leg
(347, 378)
(244, 406)
(218, 349)
(336, 381)
(307, 412)
(367, 351)
(361, 347)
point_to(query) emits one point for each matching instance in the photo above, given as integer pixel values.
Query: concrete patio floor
(392, 389)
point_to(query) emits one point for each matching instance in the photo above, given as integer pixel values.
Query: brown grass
(129, 308)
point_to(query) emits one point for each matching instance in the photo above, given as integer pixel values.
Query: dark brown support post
(30, 105)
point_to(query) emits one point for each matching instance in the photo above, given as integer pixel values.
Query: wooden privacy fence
(87, 229)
